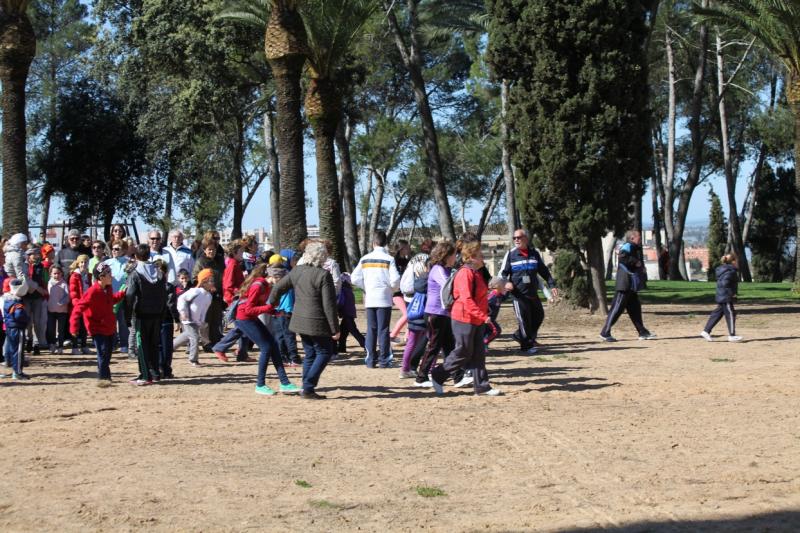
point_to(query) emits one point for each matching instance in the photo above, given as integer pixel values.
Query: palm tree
(332, 26)
(774, 24)
(17, 49)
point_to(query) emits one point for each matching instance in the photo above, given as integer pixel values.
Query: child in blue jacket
(15, 318)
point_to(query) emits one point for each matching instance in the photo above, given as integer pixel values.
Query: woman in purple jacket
(440, 335)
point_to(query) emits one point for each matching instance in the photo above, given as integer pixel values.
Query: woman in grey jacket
(314, 317)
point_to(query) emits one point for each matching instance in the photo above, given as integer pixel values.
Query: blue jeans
(104, 344)
(12, 349)
(378, 319)
(257, 332)
(165, 349)
(287, 342)
(122, 328)
(318, 351)
(233, 336)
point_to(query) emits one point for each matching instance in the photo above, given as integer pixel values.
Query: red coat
(232, 279)
(470, 297)
(97, 308)
(255, 303)
(76, 286)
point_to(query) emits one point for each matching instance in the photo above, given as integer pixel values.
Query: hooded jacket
(16, 266)
(146, 296)
(727, 283)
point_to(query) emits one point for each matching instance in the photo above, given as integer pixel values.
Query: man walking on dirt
(521, 269)
(631, 277)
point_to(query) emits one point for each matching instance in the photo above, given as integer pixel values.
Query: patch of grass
(560, 356)
(576, 358)
(722, 360)
(429, 492)
(542, 360)
(302, 483)
(703, 292)
(323, 504)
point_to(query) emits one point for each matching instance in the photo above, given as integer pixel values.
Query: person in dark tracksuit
(630, 279)
(521, 267)
(146, 299)
(727, 287)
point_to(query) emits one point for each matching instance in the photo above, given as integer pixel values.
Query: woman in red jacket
(96, 308)
(233, 277)
(80, 279)
(253, 302)
(469, 315)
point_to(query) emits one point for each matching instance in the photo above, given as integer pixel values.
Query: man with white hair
(158, 251)
(182, 258)
(521, 269)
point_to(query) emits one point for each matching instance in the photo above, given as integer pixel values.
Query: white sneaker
(647, 336)
(437, 387)
(706, 335)
(409, 374)
(465, 381)
(424, 384)
(734, 338)
(490, 392)
(608, 338)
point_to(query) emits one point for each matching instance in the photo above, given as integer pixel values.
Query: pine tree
(717, 235)
(580, 117)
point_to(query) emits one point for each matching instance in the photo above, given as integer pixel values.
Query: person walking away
(401, 254)
(377, 275)
(80, 279)
(253, 294)
(168, 321)
(727, 289)
(314, 317)
(521, 266)
(346, 307)
(96, 310)
(146, 298)
(630, 280)
(414, 281)
(15, 319)
(438, 328)
(192, 307)
(58, 304)
(469, 315)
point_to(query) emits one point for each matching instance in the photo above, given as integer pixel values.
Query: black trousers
(530, 315)
(148, 329)
(625, 301)
(728, 312)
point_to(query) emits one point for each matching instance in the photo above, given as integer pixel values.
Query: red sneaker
(221, 356)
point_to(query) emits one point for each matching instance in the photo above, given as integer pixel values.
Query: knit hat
(204, 275)
(18, 239)
(18, 287)
(276, 271)
(276, 259)
(46, 249)
(100, 269)
(33, 250)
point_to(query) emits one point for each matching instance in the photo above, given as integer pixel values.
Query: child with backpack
(414, 286)
(727, 288)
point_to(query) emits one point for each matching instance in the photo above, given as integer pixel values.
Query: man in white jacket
(377, 274)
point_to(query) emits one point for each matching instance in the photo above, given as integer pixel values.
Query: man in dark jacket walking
(630, 279)
(146, 299)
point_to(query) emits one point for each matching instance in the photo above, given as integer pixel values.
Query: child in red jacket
(80, 279)
(96, 306)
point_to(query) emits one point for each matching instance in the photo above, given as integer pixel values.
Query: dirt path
(673, 434)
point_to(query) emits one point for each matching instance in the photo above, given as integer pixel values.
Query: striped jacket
(377, 274)
(517, 265)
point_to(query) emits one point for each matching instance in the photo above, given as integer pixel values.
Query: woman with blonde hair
(80, 279)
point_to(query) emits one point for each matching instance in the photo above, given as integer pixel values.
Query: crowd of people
(148, 299)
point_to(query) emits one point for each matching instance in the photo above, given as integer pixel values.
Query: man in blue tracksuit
(521, 267)
(630, 279)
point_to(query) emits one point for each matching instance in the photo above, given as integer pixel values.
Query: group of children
(43, 302)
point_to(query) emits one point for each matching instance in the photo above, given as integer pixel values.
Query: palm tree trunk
(17, 48)
(793, 96)
(274, 179)
(343, 132)
(512, 221)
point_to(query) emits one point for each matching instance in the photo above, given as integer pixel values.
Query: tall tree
(774, 24)
(776, 205)
(717, 235)
(579, 110)
(17, 49)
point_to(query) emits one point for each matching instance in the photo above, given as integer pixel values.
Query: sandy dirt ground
(675, 434)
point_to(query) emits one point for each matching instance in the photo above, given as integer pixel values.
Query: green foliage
(578, 111)
(302, 483)
(429, 492)
(572, 278)
(773, 225)
(717, 235)
(95, 160)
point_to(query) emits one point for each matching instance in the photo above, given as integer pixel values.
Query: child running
(96, 309)
(193, 305)
(727, 288)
